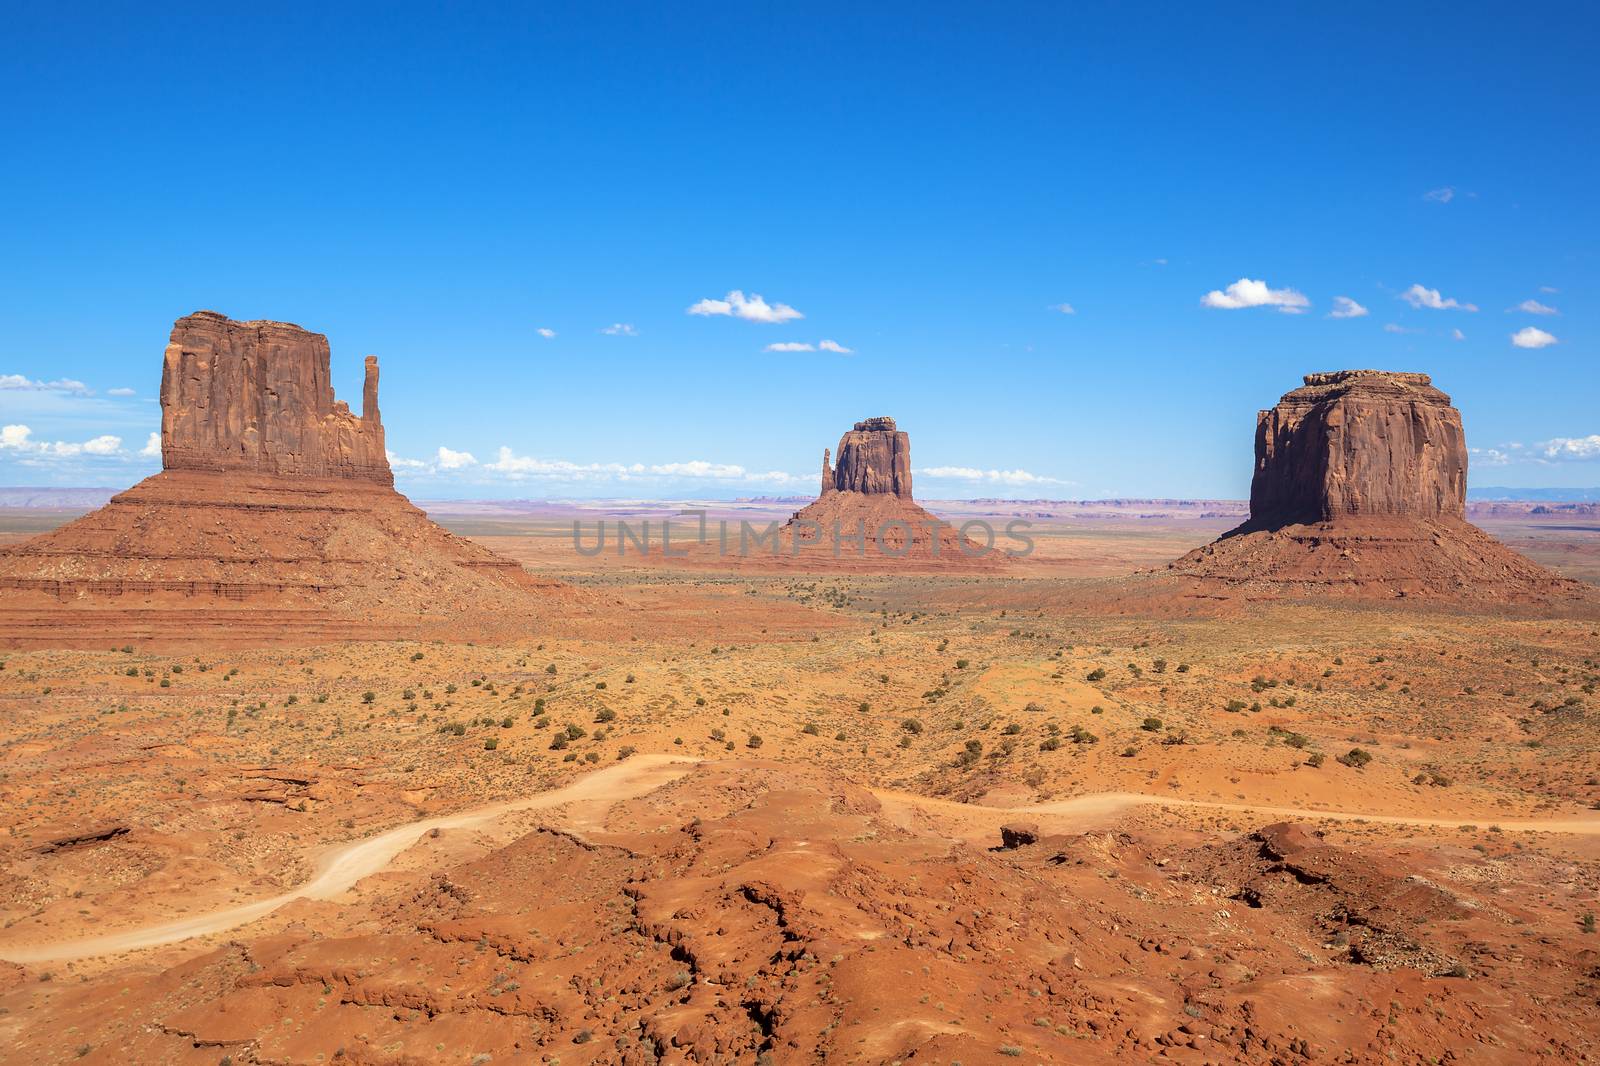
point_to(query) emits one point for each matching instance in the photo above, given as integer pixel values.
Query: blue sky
(927, 185)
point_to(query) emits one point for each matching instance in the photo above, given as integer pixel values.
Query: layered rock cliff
(864, 516)
(874, 458)
(258, 397)
(1359, 442)
(1360, 491)
(275, 518)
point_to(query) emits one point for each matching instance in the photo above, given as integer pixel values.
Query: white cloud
(1532, 337)
(545, 332)
(1391, 327)
(1534, 307)
(400, 463)
(619, 329)
(1549, 290)
(19, 438)
(805, 346)
(1248, 293)
(1441, 195)
(119, 392)
(526, 467)
(1570, 449)
(1344, 307)
(1003, 477)
(152, 446)
(751, 309)
(1458, 335)
(1419, 297)
(18, 381)
(698, 468)
(1489, 457)
(452, 460)
(1066, 309)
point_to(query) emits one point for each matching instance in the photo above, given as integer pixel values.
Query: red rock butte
(274, 518)
(1360, 490)
(256, 397)
(868, 493)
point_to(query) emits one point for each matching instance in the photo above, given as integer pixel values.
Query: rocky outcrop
(258, 397)
(1360, 491)
(874, 459)
(1359, 442)
(864, 517)
(275, 519)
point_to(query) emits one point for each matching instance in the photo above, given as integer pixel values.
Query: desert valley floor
(745, 814)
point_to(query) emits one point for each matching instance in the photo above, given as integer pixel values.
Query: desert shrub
(1097, 674)
(840, 736)
(1151, 725)
(1012, 729)
(912, 726)
(1050, 744)
(1034, 707)
(599, 684)
(717, 734)
(491, 744)
(605, 714)
(1314, 760)
(625, 751)
(1081, 735)
(368, 697)
(961, 664)
(754, 741)
(558, 742)
(1356, 757)
(550, 669)
(810, 729)
(863, 707)
(574, 731)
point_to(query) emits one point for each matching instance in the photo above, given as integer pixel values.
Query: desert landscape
(799, 535)
(1311, 778)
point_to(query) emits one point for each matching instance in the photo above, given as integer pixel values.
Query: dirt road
(591, 795)
(343, 866)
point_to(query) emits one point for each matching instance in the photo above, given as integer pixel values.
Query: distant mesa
(874, 459)
(1359, 443)
(274, 518)
(1360, 490)
(864, 513)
